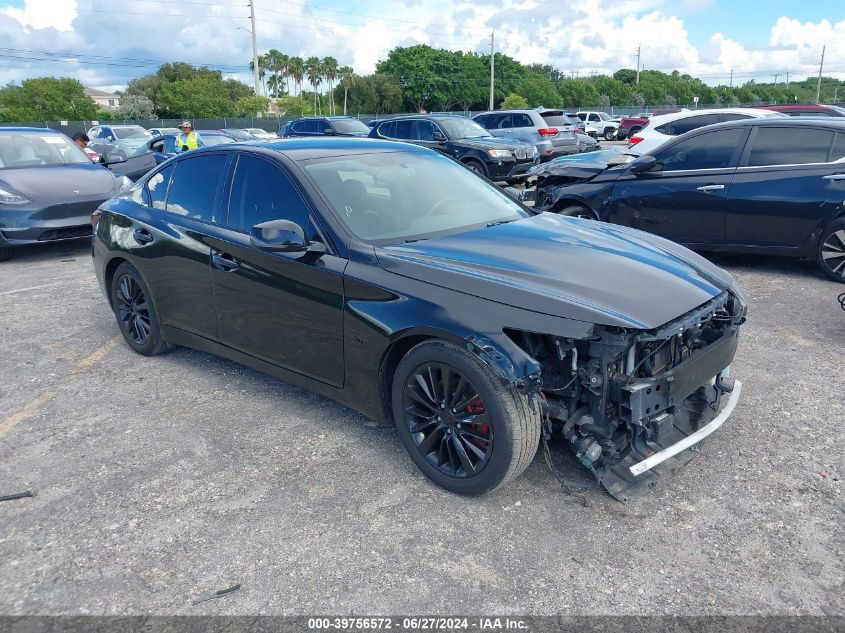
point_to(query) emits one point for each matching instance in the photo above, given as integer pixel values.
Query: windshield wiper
(498, 222)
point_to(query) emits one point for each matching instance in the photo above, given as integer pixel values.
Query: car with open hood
(392, 279)
(48, 188)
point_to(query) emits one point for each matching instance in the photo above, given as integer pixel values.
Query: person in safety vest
(188, 139)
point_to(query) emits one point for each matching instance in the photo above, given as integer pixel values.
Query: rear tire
(578, 211)
(5, 253)
(463, 427)
(135, 312)
(831, 255)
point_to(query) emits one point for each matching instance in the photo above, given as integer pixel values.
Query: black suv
(324, 126)
(499, 159)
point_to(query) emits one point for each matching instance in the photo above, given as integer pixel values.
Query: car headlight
(499, 153)
(12, 198)
(125, 184)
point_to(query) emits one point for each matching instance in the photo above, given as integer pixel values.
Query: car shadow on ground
(51, 251)
(774, 264)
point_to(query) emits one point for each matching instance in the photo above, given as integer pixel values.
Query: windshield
(132, 131)
(210, 140)
(254, 130)
(33, 149)
(604, 116)
(349, 126)
(391, 197)
(458, 127)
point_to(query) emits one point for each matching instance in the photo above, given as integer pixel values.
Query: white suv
(661, 128)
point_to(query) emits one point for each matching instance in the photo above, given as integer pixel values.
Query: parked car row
(755, 184)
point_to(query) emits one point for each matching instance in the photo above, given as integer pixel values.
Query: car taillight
(634, 140)
(95, 217)
(547, 131)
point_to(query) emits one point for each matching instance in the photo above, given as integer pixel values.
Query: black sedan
(773, 186)
(460, 138)
(474, 323)
(48, 188)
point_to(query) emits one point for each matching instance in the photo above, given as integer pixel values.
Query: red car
(806, 109)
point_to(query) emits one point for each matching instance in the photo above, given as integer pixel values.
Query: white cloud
(45, 14)
(590, 36)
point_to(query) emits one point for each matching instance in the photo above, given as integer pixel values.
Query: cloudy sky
(105, 43)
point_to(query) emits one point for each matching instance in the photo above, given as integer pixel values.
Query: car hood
(487, 142)
(60, 182)
(567, 267)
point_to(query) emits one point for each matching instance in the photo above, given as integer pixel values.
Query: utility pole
(492, 68)
(776, 78)
(732, 78)
(819, 84)
(787, 80)
(638, 65)
(254, 48)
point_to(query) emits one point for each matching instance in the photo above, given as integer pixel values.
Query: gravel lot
(162, 479)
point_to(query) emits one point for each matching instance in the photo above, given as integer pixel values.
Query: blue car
(324, 126)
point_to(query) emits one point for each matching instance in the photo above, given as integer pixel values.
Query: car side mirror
(114, 161)
(439, 137)
(329, 132)
(642, 164)
(283, 236)
(110, 137)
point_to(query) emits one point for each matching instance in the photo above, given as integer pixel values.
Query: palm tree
(277, 64)
(315, 71)
(262, 67)
(347, 80)
(296, 71)
(330, 68)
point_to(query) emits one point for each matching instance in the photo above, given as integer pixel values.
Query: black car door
(683, 200)
(284, 308)
(171, 247)
(783, 189)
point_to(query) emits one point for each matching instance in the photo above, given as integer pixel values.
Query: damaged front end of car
(636, 404)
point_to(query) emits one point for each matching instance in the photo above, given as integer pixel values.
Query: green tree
(515, 102)
(200, 97)
(293, 106)
(252, 105)
(135, 107)
(539, 91)
(47, 98)
(347, 80)
(330, 71)
(296, 71)
(314, 70)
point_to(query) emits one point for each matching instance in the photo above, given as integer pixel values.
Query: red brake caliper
(476, 407)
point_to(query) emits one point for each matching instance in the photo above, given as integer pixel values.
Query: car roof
(321, 147)
(795, 106)
(29, 129)
(674, 116)
(789, 121)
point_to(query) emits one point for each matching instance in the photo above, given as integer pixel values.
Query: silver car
(548, 130)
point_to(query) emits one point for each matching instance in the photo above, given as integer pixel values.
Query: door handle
(835, 177)
(142, 236)
(224, 262)
(709, 188)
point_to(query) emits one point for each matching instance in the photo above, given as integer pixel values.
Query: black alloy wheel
(464, 427)
(133, 311)
(578, 211)
(832, 252)
(447, 420)
(609, 134)
(478, 168)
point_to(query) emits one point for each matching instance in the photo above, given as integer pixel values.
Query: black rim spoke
(133, 312)
(449, 424)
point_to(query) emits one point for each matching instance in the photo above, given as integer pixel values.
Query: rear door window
(522, 120)
(505, 122)
(711, 150)
(157, 187)
(425, 130)
(681, 126)
(193, 187)
(838, 150)
(790, 146)
(404, 130)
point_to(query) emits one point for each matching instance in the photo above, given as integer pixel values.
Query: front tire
(463, 428)
(135, 312)
(578, 211)
(476, 166)
(609, 134)
(831, 256)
